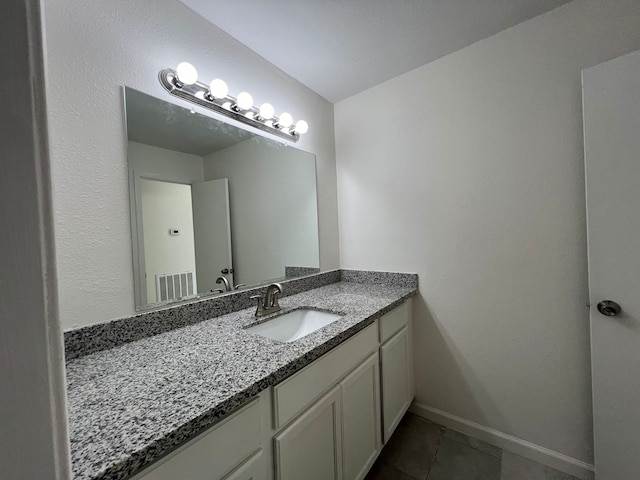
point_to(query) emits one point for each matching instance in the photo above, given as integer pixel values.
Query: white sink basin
(294, 325)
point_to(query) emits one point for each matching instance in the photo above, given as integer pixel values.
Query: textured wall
(159, 163)
(93, 49)
(474, 179)
(274, 191)
(33, 426)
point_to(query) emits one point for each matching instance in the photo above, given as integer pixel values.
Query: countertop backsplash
(103, 336)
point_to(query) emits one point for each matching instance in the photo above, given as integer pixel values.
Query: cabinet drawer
(301, 389)
(252, 469)
(215, 452)
(393, 321)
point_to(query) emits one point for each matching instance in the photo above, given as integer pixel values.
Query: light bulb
(218, 88)
(301, 127)
(285, 120)
(245, 101)
(266, 111)
(187, 73)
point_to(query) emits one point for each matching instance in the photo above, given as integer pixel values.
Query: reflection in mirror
(213, 207)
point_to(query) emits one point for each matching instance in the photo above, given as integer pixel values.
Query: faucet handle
(271, 295)
(260, 299)
(260, 306)
(274, 298)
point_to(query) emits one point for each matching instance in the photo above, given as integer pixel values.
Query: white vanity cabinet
(225, 451)
(250, 469)
(311, 447)
(361, 439)
(335, 406)
(396, 364)
(326, 422)
(338, 437)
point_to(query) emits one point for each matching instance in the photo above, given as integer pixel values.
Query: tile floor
(422, 450)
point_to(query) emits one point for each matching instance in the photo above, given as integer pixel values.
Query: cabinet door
(396, 380)
(361, 418)
(311, 447)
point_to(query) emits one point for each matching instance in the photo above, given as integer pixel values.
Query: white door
(611, 107)
(212, 234)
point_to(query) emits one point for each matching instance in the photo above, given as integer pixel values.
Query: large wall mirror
(214, 207)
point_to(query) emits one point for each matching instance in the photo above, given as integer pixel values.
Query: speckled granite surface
(131, 404)
(293, 272)
(102, 336)
(409, 280)
(94, 338)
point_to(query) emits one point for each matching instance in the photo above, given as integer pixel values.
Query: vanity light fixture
(183, 83)
(285, 120)
(266, 111)
(243, 102)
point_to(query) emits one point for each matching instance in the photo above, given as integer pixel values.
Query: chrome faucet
(227, 286)
(268, 302)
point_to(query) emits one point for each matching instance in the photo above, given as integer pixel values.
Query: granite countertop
(131, 404)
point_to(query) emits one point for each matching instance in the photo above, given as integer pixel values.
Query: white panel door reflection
(186, 238)
(212, 233)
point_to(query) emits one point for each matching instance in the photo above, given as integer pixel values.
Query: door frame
(137, 233)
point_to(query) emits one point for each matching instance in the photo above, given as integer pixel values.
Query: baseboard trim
(553, 459)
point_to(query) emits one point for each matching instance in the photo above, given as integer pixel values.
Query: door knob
(609, 308)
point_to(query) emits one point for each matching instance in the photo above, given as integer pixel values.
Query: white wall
(33, 426)
(282, 182)
(93, 49)
(155, 162)
(166, 206)
(149, 161)
(469, 170)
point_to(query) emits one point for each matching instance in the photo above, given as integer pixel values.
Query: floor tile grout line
(440, 448)
(499, 457)
(443, 430)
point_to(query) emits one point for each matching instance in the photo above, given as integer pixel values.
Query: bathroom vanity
(325, 420)
(184, 389)
(211, 400)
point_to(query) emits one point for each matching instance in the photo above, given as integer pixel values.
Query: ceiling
(162, 124)
(341, 47)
